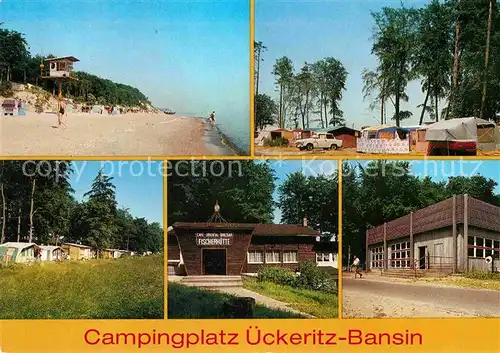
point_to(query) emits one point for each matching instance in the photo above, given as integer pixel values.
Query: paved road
(475, 301)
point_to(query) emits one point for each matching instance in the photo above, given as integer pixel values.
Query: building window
(255, 257)
(290, 257)
(483, 247)
(400, 255)
(272, 257)
(323, 257)
(377, 257)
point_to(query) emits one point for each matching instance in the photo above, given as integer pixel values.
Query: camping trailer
(462, 136)
(51, 253)
(77, 251)
(18, 252)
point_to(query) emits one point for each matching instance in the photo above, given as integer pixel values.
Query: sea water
(234, 127)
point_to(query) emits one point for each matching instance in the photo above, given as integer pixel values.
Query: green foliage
(128, 288)
(314, 196)
(6, 89)
(311, 277)
(14, 53)
(18, 65)
(279, 142)
(318, 85)
(315, 303)
(193, 303)
(278, 275)
(315, 278)
(265, 111)
(244, 190)
(394, 35)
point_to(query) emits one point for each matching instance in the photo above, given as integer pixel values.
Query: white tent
(264, 134)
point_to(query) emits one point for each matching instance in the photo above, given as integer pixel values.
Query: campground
(293, 151)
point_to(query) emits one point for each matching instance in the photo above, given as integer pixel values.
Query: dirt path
(103, 135)
(372, 298)
(261, 299)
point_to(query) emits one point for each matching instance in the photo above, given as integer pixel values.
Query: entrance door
(438, 254)
(421, 257)
(214, 261)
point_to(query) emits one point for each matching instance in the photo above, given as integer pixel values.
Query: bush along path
(312, 290)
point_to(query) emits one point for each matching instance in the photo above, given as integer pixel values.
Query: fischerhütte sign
(214, 239)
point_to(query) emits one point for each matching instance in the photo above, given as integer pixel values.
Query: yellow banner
(256, 336)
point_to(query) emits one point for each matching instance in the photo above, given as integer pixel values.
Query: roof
(67, 58)
(49, 247)
(439, 215)
(207, 225)
(379, 127)
(77, 245)
(258, 229)
(284, 230)
(336, 128)
(19, 246)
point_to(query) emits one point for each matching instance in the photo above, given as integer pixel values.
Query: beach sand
(107, 135)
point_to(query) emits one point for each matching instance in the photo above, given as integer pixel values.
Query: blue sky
(190, 56)
(307, 167)
(311, 30)
(139, 185)
(444, 169)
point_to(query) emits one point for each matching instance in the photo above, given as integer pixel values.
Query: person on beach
(355, 264)
(60, 113)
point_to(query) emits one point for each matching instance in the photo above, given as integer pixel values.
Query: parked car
(319, 141)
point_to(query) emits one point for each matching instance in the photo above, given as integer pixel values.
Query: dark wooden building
(236, 248)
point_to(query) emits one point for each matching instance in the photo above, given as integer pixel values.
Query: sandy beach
(107, 135)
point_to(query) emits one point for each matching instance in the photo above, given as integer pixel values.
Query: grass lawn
(128, 288)
(319, 304)
(194, 303)
(486, 281)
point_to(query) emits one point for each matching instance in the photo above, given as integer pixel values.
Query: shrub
(6, 89)
(278, 275)
(279, 142)
(313, 277)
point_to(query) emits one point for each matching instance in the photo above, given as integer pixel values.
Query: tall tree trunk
(280, 120)
(3, 215)
(456, 66)
(436, 105)
(486, 56)
(19, 225)
(326, 113)
(32, 212)
(306, 109)
(425, 104)
(321, 110)
(257, 71)
(382, 110)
